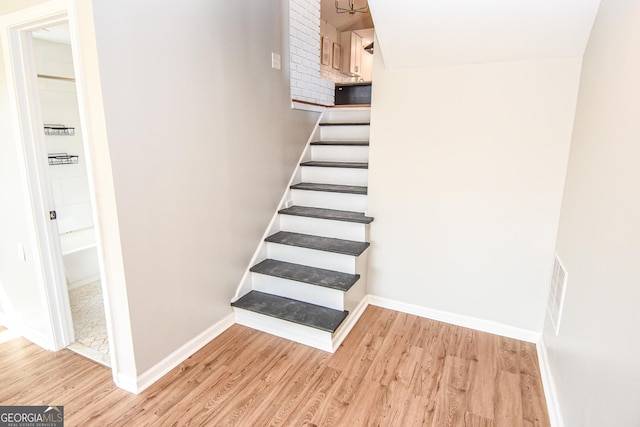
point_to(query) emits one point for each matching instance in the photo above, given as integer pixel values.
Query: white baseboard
(86, 281)
(549, 385)
(27, 332)
(126, 382)
(458, 319)
(153, 374)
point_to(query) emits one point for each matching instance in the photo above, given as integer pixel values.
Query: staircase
(308, 282)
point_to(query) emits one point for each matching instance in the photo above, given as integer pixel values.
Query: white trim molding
(126, 382)
(549, 385)
(458, 319)
(26, 332)
(297, 105)
(163, 367)
(350, 322)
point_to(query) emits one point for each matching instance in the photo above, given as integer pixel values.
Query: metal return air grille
(556, 293)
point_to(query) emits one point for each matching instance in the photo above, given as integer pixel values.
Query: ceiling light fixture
(369, 48)
(352, 9)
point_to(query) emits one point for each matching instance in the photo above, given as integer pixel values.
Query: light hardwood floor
(393, 369)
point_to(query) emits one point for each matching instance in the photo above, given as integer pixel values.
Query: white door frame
(21, 69)
(15, 26)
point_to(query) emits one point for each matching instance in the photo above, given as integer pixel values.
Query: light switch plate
(276, 62)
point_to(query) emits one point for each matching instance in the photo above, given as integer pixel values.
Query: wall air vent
(556, 293)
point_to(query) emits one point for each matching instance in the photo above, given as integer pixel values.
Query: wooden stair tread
(331, 188)
(353, 165)
(330, 214)
(344, 143)
(344, 124)
(305, 274)
(302, 313)
(326, 244)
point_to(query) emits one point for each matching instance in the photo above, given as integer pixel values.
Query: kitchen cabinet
(351, 61)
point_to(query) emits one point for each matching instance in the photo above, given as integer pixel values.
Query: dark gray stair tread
(347, 143)
(331, 214)
(353, 165)
(344, 124)
(305, 274)
(302, 313)
(327, 244)
(331, 188)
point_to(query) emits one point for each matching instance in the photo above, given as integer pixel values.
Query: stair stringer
(274, 225)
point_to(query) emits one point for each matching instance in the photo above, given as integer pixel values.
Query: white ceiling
(422, 33)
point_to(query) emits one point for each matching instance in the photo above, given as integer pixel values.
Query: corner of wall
(457, 319)
(549, 385)
(150, 376)
(306, 81)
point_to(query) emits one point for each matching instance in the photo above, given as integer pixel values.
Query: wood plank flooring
(393, 369)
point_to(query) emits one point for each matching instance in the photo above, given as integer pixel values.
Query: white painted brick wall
(307, 83)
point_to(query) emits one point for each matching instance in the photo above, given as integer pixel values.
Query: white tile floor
(89, 324)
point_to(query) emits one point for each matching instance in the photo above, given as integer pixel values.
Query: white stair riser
(325, 228)
(339, 176)
(284, 329)
(318, 295)
(344, 133)
(353, 300)
(352, 115)
(330, 200)
(312, 257)
(340, 153)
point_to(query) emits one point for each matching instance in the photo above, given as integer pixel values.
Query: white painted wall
(202, 142)
(594, 360)
(8, 6)
(467, 166)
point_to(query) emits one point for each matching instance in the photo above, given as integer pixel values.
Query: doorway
(74, 239)
(69, 183)
(35, 288)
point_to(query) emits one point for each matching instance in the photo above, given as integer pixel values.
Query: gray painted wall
(200, 137)
(202, 142)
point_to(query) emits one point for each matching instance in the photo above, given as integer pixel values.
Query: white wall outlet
(276, 62)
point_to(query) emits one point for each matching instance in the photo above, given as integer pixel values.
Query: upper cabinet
(351, 61)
